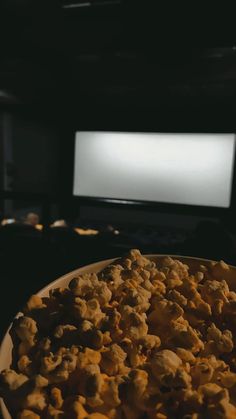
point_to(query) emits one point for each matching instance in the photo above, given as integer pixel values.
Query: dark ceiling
(91, 57)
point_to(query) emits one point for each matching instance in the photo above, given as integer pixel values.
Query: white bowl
(63, 281)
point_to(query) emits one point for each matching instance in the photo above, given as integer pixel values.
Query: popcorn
(112, 276)
(165, 311)
(223, 341)
(27, 414)
(133, 324)
(56, 397)
(11, 380)
(90, 287)
(34, 303)
(35, 400)
(138, 339)
(164, 362)
(87, 310)
(215, 290)
(112, 359)
(25, 365)
(26, 329)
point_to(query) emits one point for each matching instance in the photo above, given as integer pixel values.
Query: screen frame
(158, 205)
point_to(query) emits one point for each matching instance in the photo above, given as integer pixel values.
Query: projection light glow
(192, 169)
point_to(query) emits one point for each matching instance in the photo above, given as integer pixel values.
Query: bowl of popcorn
(137, 337)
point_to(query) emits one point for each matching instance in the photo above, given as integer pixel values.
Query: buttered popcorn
(138, 339)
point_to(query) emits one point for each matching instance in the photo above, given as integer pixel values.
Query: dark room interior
(110, 66)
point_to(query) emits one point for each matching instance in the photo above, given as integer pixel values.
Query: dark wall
(41, 153)
(36, 153)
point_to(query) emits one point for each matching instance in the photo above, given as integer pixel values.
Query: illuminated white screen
(193, 169)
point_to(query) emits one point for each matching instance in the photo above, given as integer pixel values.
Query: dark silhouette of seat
(211, 240)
